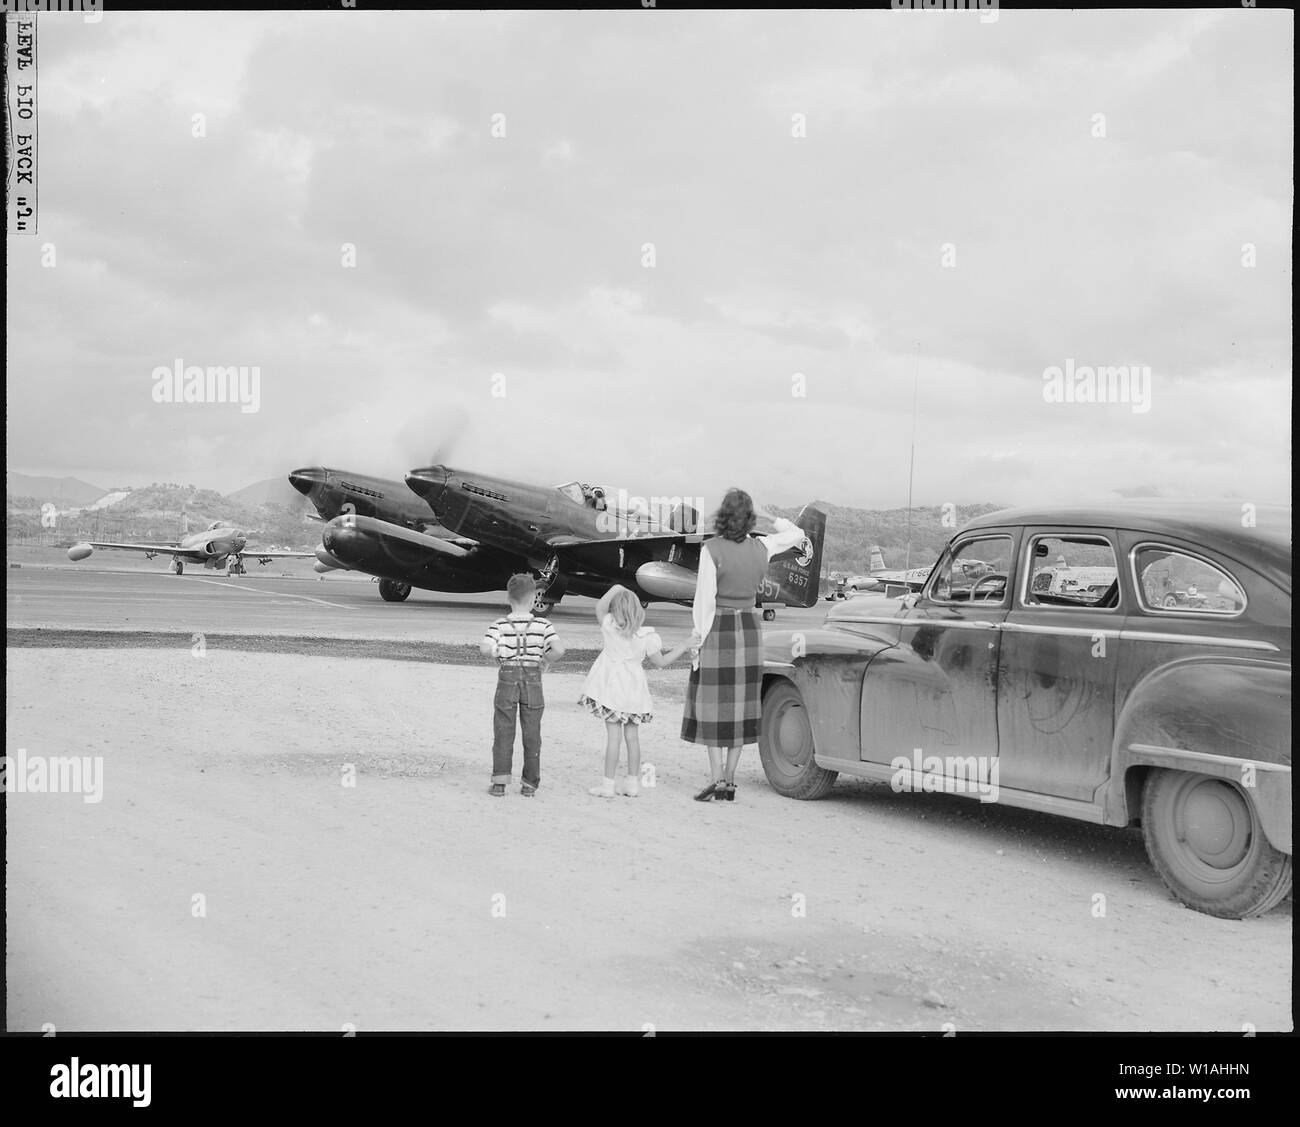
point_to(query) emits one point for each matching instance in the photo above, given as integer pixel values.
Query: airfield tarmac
(71, 596)
(413, 900)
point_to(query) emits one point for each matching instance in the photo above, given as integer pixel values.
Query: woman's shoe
(713, 790)
(728, 792)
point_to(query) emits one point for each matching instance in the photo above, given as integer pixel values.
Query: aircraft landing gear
(546, 579)
(546, 576)
(234, 566)
(391, 591)
(178, 567)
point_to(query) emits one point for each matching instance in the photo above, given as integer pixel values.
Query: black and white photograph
(647, 521)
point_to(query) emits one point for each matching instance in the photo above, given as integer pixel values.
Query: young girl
(616, 689)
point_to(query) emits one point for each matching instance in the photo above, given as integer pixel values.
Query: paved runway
(343, 606)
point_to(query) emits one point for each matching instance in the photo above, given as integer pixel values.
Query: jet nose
(429, 483)
(306, 480)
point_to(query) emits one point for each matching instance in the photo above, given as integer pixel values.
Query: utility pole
(911, 468)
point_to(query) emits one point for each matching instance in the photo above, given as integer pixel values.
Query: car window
(973, 571)
(1178, 582)
(1071, 571)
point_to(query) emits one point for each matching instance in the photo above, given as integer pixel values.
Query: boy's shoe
(528, 790)
(497, 790)
(605, 790)
(629, 785)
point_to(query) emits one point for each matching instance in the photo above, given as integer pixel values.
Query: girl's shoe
(497, 790)
(713, 790)
(605, 790)
(629, 786)
(728, 792)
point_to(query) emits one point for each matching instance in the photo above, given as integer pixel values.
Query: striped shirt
(525, 638)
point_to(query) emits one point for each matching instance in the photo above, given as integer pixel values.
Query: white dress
(616, 688)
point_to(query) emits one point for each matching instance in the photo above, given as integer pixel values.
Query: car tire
(391, 591)
(1171, 602)
(785, 746)
(1204, 838)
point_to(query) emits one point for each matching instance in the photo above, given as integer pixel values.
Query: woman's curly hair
(735, 518)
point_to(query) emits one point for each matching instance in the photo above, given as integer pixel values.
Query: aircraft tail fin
(797, 573)
(877, 560)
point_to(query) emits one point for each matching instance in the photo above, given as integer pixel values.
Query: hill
(63, 492)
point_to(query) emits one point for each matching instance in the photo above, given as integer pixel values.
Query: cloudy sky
(846, 210)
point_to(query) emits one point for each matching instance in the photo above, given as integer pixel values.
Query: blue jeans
(518, 686)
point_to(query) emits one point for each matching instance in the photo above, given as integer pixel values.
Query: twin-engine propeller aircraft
(381, 528)
(219, 545)
(579, 543)
(880, 578)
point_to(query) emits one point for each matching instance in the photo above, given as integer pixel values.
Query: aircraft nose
(305, 480)
(429, 483)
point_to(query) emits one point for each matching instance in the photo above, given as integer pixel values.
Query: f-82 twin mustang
(579, 544)
(219, 545)
(474, 536)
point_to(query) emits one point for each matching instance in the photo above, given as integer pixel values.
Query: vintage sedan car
(1106, 705)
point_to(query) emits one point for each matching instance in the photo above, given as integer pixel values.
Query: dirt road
(413, 900)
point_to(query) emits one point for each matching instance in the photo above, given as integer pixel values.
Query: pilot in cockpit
(594, 497)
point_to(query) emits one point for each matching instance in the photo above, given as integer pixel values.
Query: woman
(722, 697)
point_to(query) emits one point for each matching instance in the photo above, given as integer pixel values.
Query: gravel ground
(413, 900)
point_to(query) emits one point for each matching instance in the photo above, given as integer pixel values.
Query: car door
(935, 693)
(1060, 653)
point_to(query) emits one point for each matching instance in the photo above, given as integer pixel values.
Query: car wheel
(1170, 602)
(1204, 839)
(769, 615)
(785, 745)
(392, 591)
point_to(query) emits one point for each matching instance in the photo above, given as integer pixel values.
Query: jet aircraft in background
(219, 545)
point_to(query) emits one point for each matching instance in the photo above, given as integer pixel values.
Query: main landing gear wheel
(1204, 839)
(391, 591)
(785, 745)
(178, 567)
(769, 615)
(542, 606)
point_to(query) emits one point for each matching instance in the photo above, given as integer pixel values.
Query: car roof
(1214, 525)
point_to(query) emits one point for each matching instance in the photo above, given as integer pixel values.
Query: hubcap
(793, 738)
(1215, 824)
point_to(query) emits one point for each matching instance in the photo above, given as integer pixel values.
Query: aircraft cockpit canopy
(592, 496)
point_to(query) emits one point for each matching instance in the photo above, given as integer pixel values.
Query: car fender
(1227, 717)
(827, 667)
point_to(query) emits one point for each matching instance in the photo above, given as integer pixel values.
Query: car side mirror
(911, 599)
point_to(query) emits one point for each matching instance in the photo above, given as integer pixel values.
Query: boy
(523, 644)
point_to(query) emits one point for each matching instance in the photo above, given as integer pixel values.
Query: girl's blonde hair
(627, 612)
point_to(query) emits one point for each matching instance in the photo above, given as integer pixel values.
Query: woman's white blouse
(787, 535)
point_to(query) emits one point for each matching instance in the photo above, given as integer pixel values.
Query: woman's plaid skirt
(723, 696)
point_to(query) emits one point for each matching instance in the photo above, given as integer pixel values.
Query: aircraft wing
(278, 555)
(665, 538)
(400, 532)
(82, 549)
